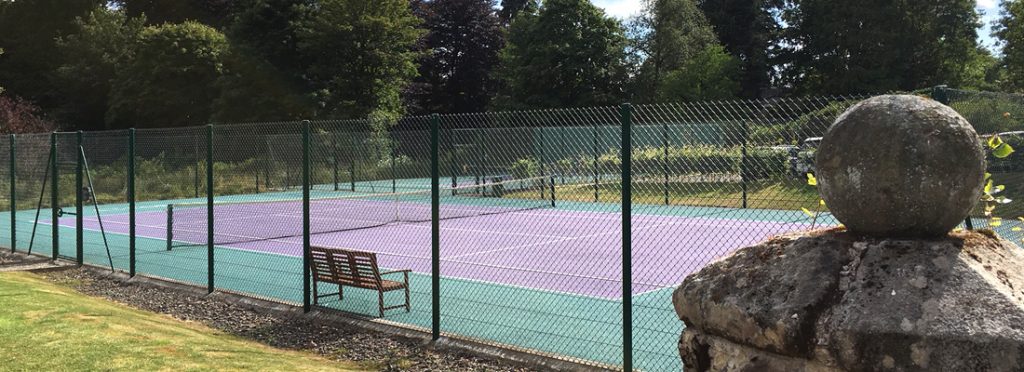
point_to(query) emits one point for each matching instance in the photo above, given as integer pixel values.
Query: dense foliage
(1010, 29)
(92, 64)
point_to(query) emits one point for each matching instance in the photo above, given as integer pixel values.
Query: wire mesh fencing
(561, 232)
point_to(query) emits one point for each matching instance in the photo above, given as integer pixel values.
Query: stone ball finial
(900, 166)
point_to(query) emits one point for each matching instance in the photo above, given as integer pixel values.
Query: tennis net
(238, 222)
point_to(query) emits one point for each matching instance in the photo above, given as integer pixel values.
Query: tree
(358, 56)
(671, 35)
(462, 44)
(750, 31)
(263, 78)
(709, 75)
(511, 8)
(871, 46)
(98, 48)
(28, 33)
(157, 12)
(170, 81)
(20, 116)
(1010, 31)
(568, 54)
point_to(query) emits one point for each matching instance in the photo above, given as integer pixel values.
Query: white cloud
(987, 4)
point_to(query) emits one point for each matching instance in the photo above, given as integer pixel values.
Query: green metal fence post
(306, 252)
(664, 159)
(79, 222)
(597, 197)
(394, 175)
(14, 193)
(131, 202)
(334, 149)
(540, 132)
(352, 161)
(170, 227)
(454, 161)
(743, 164)
(195, 169)
(626, 151)
(54, 206)
(435, 228)
(561, 152)
(479, 157)
(210, 285)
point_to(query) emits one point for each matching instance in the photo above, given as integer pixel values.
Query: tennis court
(514, 269)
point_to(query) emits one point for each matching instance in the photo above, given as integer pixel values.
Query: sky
(989, 8)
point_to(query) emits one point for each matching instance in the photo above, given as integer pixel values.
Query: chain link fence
(539, 235)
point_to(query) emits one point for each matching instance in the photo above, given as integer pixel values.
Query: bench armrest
(395, 272)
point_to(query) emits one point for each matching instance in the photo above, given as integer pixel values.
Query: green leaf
(994, 142)
(1002, 151)
(811, 180)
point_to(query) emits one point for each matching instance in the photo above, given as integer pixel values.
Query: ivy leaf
(988, 188)
(1018, 228)
(808, 212)
(995, 222)
(821, 202)
(1003, 200)
(1002, 151)
(998, 188)
(994, 142)
(811, 180)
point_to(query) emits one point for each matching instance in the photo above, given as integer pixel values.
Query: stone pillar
(897, 291)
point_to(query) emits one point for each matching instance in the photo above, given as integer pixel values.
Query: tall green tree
(263, 78)
(170, 81)
(91, 56)
(28, 33)
(671, 35)
(567, 54)
(358, 55)
(209, 12)
(1010, 31)
(870, 46)
(511, 8)
(750, 31)
(463, 40)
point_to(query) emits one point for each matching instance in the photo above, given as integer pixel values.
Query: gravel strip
(334, 341)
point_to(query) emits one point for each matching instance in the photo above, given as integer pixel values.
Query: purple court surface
(565, 251)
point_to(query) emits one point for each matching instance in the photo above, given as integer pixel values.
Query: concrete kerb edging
(523, 357)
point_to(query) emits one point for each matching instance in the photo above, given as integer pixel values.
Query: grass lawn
(44, 326)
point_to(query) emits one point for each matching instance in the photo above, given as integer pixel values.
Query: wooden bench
(355, 269)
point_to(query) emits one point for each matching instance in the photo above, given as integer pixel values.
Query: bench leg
(341, 292)
(405, 275)
(315, 297)
(380, 302)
